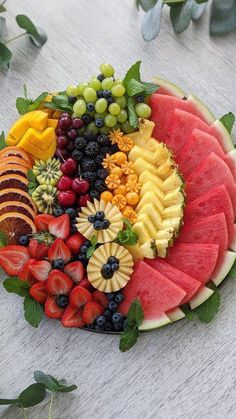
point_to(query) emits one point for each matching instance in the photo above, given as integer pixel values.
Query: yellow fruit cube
(52, 123)
(147, 175)
(150, 197)
(141, 231)
(140, 165)
(150, 186)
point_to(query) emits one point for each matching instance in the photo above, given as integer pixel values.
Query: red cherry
(64, 184)
(69, 167)
(80, 186)
(62, 141)
(83, 199)
(66, 198)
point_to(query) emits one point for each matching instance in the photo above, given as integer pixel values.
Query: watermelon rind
(226, 265)
(171, 87)
(207, 114)
(231, 161)
(200, 297)
(227, 142)
(175, 315)
(232, 244)
(148, 325)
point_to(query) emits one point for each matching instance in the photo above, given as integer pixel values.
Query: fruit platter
(117, 205)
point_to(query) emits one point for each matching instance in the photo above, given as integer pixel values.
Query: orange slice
(13, 169)
(14, 194)
(14, 160)
(17, 152)
(15, 224)
(15, 206)
(13, 181)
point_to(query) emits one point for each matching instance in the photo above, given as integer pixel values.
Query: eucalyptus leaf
(152, 22)
(40, 39)
(32, 395)
(37, 35)
(5, 56)
(2, 8)
(197, 10)
(3, 28)
(180, 15)
(223, 17)
(52, 384)
(147, 4)
(8, 401)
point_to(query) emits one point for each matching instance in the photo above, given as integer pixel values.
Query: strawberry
(51, 308)
(38, 292)
(38, 250)
(40, 269)
(25, 273)
(42, 221)
(75, 270)
(75, 242)
(58, 283)
(86, 284)
(60, 227)
(91, 311)
(72, 317)
(100, 298)
(59, 250)
(13, 258)
(79, 296)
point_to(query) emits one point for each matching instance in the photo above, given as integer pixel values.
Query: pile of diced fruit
(92, 201)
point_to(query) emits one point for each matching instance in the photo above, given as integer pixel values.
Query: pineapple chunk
(173, 211)
(153, 248)
(172, 223)
(153, 213)
(176, 196)
(140, 152)
(144, 134)
(166, 169)
(150, 197)
(151, 187)
(135, 251)
(142, 232)
(172, 182)
(140, 165)
(147, 175)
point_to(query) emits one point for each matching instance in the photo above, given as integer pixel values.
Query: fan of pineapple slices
(162, 198)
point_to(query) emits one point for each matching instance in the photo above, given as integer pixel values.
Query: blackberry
(103, 140)
(88, 165)
(105, 150)
(89, 136)
(100, 185)
(77, 155)
(80, 143)
(92, 149)
(89, 176)
(70, 146)
(102, 174)
(114, 148)
(94, 194)
(99, 159)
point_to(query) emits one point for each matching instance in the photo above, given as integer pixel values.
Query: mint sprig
(91, 249)
(228, 120)
(134, 319)
(207, 311)
(24, 104)
(127, 236)
(2, 141)
(33, 184)
(16, 286)
(60, 102)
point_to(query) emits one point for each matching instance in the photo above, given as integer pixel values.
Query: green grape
(118, 90)
(121, 101)
(143, 110)
(118, 81)
(105, 130)
(101, 105)
(79, 107)
(107, 69)
(123, 116)
(82, 87)
(114, 109)
(72, 91)
(95, 84)
(90, 95)
(100, 115)
(116, 127)
(81, 131)
(107, 83)
(110, 120)
(127, 128)
(92, 127)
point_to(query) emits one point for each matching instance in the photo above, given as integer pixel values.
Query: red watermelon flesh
(198, 146)
(189, 284)
(197, 260)
(163, 108)
(213, 202)
(156, 293)
(212, 172)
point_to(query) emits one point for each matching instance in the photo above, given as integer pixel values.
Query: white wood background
(187, 369)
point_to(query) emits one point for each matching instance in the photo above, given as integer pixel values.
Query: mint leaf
(32, 395)
(16, 286)
(132, 73)
(232, 272)
(134, 87)
(149, 88)
(127, 236)
(35, 104)
(135, 314)
(59, 103)
(30, 176)
(128, 339)
(2, 141)
(133, 118)
(228, 120)
(187, 311)
(22, 105)
(3, 239)
(207, 311)
(33, 311)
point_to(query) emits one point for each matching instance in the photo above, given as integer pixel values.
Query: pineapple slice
(142, 232)
(150, 197)
(172, 182)
(174, 197)
(151, 187)
(140, 165)
(153, 248)
(173, 211)
(147, 175)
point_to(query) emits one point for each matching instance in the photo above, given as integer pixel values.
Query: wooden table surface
(184, 370)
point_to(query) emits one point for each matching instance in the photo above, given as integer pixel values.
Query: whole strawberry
(39, 245)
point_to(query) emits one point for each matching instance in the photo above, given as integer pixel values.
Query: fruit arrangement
(115, 193)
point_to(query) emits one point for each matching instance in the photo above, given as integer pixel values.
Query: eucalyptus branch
(15, 37)
(50, 405)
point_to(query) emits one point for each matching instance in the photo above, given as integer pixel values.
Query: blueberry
(139, 98)
(114, 267)
(101, 77)
(98, 225)
(106, 272)
(83, 258)
(107, 314)
(86, 118)
(112, 259)
(72, 99)
(117, 318)
(118, 327)
(83, 249)
(73, 229)
(99, 216)
(112, 306)
(90, 107)
(24, 240)
(98, 328)
(58, 211)
(58, 264)
(101, 320)
(106, 93)
(94, 194)
(105, 224)
(100, 94)
(99, 122)
(90, 326)
(71, 212)
(119, 297)
(111, 296)
(110, 100)
(80, 143)
(91, 218)
(87, 243)
(62, 301)
(108, 326)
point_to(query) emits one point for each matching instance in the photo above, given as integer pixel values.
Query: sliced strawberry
(86, 284)
(42, 221)
(60, 226)
(38, 250)
(75, 270)
(40, 269)
(79, 296)
(38, 292)
(100, 298)
(75, 242)
(91, 311)
(25, 273)
(58, 283)
(59, 250)
(51, 308)
(13, 258)
(72, 317)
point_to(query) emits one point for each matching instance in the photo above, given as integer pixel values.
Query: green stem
(50, 406)
(2, 4)
(15, 37)
(24, 412)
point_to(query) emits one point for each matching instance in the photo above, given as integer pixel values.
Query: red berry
(74, 242)
(77, 123)
(80, 186)
(83, 199)
(37, 249)
(60, 227)
(79, 296)
(69, 167)
(51, 308)
(86, 284)
(62, 141)
(13, 258)
(72, 317)
(100, 298)
(59, 250)
(64, 122)
(75, 270)
(38, 292)
(72, 134)
(91, 311)
(42, 220)
(40, 269)
(66, 198)
(64, 184)
(58, 283)
(25, 273)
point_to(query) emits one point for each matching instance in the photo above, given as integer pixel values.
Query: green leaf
(198, 9)
(5, 56)
(133, 118)
(25, 90)
(32, 395)
(2, 8)
(2, 141)
(128, 339)
(151, 24)
(127, 236)
(16, 286)
(22, 105)
(207, 311)
(30, 176)
(134, 87)
(52, 383)
(180, 15)
(37, 35)
(232, 272)
(135, 314)
(3, 239)
(147, 4)
(132, 73)
(60, 103)
(187, 311)
(149, 88)
(92, 248)
(3, 28)
(228, 120)
(223, 17)
(33, 311)
(8, 401)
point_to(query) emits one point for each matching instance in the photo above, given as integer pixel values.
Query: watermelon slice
(202, 295)
(156, 293)
(182, 125)
(230, 159)
(189, 284)
(197, 260)
(168, 88)
(212, 172)
(213, 202)
(223, 267)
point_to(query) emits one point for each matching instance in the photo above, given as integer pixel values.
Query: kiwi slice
(47, 172)
(45, 197)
